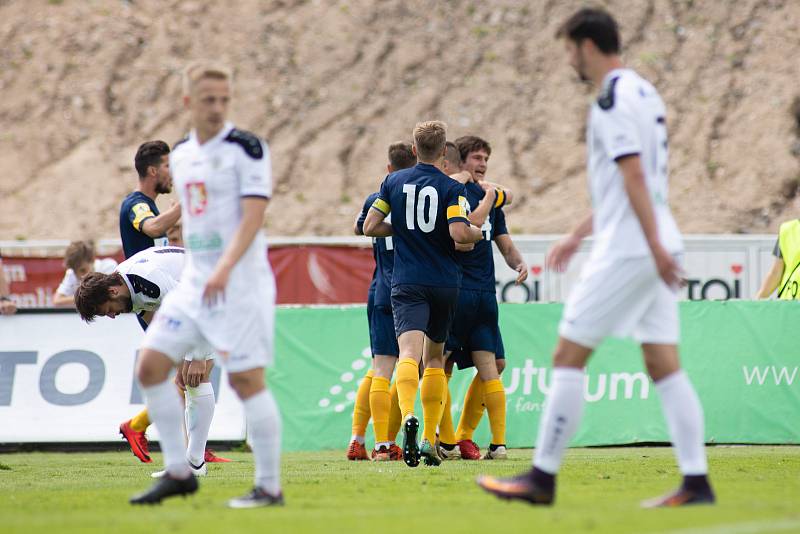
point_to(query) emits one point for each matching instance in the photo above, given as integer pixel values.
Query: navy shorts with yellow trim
(382, 339)
(425, 308)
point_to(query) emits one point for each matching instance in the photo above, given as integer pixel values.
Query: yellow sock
(361, 409)
(395, 417)
(494, 397)
(407, 385)
(447, 433)
(432, 395)
(473, 410)
(380, 403)
(141, 421)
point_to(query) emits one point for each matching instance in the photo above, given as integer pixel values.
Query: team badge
(197, 197)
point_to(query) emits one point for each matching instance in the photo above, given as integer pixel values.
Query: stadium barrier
(62, 380)
(338, 270)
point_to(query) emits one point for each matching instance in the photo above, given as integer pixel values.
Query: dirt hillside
(331, 84)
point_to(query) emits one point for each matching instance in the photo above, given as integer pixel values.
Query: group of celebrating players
(432, 302)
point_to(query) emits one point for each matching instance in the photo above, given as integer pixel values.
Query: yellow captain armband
(141, 211)
(459, 210)
(500, 200)
(382, 206)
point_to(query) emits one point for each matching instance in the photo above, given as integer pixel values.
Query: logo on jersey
(196, 196)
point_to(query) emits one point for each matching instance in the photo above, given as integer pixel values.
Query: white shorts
(623, 297)
(241, 331)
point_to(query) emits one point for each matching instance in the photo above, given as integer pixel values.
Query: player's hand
(561, 253)
(193, 372)
(668, 269)
(7, 307)
(179, 378)
(464, 247)
(214, 292)
(522, 272)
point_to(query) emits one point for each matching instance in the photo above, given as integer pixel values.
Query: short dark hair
(472, 143)
(93, 292)
(401, 156)
(452, 154)
(595, 24)
(78, 253)
(149, 155)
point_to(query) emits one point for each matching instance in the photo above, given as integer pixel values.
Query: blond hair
(429, 139)
(196, 71)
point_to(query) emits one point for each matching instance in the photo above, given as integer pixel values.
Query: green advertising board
(743, 358)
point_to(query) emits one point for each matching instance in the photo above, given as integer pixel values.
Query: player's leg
(133, 430)
(361, 415)
(447, 447)
(494, 398)
(200, 406)
(395, 420)
(471, 414)
(380, 403)
(559, 421)
(432, 393)
(263, 435)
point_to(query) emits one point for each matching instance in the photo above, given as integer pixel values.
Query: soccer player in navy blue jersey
(376, 396)
(428, 217)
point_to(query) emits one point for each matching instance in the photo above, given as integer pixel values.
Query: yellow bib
(789, 243)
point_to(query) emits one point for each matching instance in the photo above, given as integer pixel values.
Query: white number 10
(425, 221)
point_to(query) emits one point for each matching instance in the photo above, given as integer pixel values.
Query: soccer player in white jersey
(226, 296)
(138, 285)
(628, 287)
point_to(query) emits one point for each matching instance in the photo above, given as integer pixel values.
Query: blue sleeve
(456, 204)
(381, 202)
(364, 210)
(500, 227)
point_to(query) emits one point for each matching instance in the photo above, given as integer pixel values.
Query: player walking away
(629, 284)
(226, 297)
(139, 285)
(377, 396)
(785, 272)
(475, 335)
(79, 259)
(141, 226)
(428, 214)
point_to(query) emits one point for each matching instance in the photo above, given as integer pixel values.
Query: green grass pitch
(758, 490)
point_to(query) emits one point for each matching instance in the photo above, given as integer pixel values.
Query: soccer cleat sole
(515, 492)
(411, 454)
(164, 489)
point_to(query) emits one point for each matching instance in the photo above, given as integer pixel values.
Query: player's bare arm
(157, 226)
(252, 218)
(375, 224)
(773, 278)
(63, 301)
(559, 256)
(193, 372)
(465, 233)
(512, 256)
(509, 194)
(636, 188)
(478, 216)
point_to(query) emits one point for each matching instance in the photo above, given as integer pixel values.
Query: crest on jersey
(196, 197)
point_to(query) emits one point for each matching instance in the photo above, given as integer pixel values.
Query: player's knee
(152, 368)
(246, 384)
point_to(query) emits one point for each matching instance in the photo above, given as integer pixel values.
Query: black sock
(545, 481)
(696, 483)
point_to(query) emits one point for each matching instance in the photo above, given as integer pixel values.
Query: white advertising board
(62, 380)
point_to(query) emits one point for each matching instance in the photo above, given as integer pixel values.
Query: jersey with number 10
(423, 202)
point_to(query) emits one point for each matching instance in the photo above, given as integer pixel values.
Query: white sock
(199, 413)
(684, 416)
(359, 439)
(264, 436)
(562, 415)
(165, 411)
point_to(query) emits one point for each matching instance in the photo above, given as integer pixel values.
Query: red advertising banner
(304, 275)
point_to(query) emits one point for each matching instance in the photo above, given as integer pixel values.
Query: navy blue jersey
(136, 208)
(383, 252)
(423, 202)
(477, 265)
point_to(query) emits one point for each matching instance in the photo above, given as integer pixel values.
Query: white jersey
(211, 179)
(69, 285)
(151, 274)
(628, 118)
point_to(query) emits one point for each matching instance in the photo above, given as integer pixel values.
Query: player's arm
(63, 301)
(478, 217)
(375, 224)
(505, 196)
(147, 316)
(559, 254)
(158, 225)
(773, 278)
(639, 196)
(458, 225)
(507, 248)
